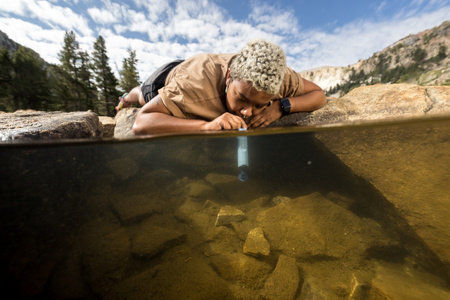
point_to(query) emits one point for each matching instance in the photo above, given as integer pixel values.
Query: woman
(250, 89)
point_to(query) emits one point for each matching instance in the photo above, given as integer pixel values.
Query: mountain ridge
(421, 59)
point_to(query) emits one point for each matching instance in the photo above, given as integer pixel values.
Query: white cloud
(54, 16)
(272, 19)
(111, 13)
(102, 16)
(181, 28)
(16, 7)
(46, 42)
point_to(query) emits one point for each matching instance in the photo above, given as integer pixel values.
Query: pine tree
(129, 74)
(69, 54)
(70, 60)
(104, 77)
(85, 74)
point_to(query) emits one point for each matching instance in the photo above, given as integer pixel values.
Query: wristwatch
(285, 106)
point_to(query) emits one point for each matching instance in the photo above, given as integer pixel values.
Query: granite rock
(124, 122)
(376, 102)
(109, 125)
(256, 244)
(284, 281)
(39, 125)
(228, 214)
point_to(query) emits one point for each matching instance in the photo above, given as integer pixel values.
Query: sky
(313, 33)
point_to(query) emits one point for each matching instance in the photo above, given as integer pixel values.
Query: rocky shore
(360, 214)
(369, 103)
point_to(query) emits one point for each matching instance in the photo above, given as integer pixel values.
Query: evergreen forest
(80, 82)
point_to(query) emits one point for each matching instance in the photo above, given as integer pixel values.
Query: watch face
(286, 105)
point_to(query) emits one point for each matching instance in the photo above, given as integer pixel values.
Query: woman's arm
(154, 118)
(313, 98)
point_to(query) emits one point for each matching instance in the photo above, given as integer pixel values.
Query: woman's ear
(228, 73)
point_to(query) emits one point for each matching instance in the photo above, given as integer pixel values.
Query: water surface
(360, 211)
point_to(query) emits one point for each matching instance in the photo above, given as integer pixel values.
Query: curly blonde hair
(261, 63)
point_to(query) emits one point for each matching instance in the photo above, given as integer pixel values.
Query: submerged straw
(242, 157)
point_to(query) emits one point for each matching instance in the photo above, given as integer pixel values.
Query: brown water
(352, 212)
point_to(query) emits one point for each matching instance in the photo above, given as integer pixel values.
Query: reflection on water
(353, 212)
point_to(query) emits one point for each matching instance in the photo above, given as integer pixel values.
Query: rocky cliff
(6, 42)
(12, 46)
(422, 59)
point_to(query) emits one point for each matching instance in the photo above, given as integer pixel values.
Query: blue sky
(313, 33)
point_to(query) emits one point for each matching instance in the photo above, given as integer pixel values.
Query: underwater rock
(246, 270)
(189, 207)
(341, 200)
(256, 244)
(135, 208)
(360, 289)
(408, 165)
(180, 277)
(151, 240)
(67, 281)
(314, 288)
(228, 214)
(200, 216)
(313, 228)
(279, 199)
(211, 204)
(201, 190)
(284, 281)
(393, 283)
(123, 168)
(221, 240)
(105, 261)
(33, 125)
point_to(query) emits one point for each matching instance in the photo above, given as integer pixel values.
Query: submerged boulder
(284, 280)
(256, 244)
(408, 164)
(299, 228)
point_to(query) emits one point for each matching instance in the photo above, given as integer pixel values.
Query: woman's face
(244, 100)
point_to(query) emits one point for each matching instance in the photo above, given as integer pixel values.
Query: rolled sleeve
(292, 85)
(172, 98)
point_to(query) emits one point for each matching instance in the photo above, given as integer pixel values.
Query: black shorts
(157, 80)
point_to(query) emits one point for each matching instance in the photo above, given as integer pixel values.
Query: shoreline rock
(38, 125)
(376, 102)
(368, 103)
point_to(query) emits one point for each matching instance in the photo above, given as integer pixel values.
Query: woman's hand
(269, 115)
(226, 121)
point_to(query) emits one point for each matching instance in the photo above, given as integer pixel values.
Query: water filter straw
(242, 157)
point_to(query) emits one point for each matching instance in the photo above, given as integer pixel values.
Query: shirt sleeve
(292, 85)
(172, 97)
